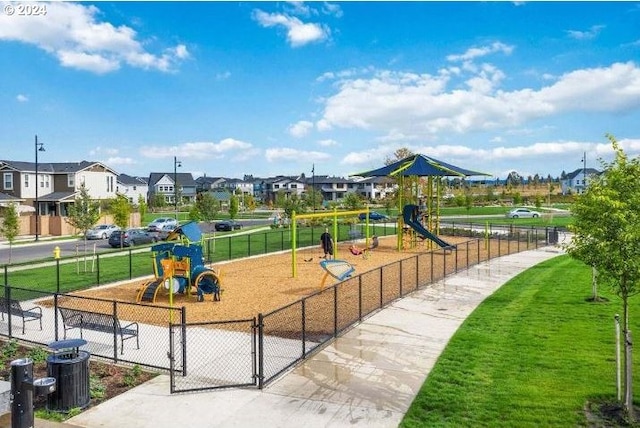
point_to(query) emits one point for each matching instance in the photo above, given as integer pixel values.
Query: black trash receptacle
(552, 237)
(70, 367)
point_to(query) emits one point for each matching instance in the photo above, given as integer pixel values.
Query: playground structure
(178, 267)
(335, 214)
(413, 191)
(339, 269)
(410, 216)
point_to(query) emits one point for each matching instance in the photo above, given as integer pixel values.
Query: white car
(157, 224)
(523, 213)
(101, 231)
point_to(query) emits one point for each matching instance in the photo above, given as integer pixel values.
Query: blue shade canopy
(421, 166)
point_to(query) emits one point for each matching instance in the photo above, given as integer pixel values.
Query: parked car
(158, 223)
(227, 225)
(101, 231)
(131, 237)
(373, 216)
(164, 232)
(523, 213)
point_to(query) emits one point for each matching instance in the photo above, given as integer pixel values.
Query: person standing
(326, 242)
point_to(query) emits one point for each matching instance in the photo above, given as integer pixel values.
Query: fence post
(444, 264)
(55, 316)
(304, 327)
(130, 264)
(360, 297)
(6, 275)
(260, 351)
(98, 269)
(467, 255)
(7, 295)
(57, 275)
(249, 245)
(115, 331)
(229, 247)
(456, 253)
(183, 330)
(335, 310)
(431, 252)
(400, 279)
(381, 289)
(266, 249)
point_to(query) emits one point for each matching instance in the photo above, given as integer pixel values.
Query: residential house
(577, 181)
(164, 183)
(205, 184)
(58, 183)
(132, 188)
(269, 188)
(335, 188)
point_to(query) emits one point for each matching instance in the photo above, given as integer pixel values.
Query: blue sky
(268, 88)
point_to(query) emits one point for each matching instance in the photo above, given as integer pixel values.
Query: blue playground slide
(410, 214)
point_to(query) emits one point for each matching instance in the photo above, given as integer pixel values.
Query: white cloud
(117, 161)
(300, 129)
(327, 143)
(332, 9)
(298, 32)
(22, 98)
(223, 76)
(413, 105)
(75, 35)
(586, 35)
(470, 155)
(290, 155)
(100, 151)
(197, 150)
(474, 53)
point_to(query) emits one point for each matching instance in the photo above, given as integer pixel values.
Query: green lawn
(531, 355)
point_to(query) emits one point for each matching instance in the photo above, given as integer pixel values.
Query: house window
(26, 181)
(134, 187)
(294, 186)
(339, 185)
(276, 186)
(46, 181)
(8, 181)
(71, 180)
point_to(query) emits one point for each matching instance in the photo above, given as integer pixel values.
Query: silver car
(101, 231)
(523, 213)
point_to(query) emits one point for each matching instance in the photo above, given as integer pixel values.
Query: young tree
(83, 214)
(607, 237)
(142, 207)
(121, 210)
(233, 207)
(207, 207)
(10, 227)
(353, 201)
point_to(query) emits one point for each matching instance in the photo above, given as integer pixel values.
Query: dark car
(373, 216)
(227, 225)
(131, 237)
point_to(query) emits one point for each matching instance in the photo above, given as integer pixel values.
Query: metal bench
(96, 321)
(13, 307)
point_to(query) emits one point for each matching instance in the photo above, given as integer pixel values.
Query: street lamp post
(313, 185)
(584, 172)
(176, 164)
(39, 148)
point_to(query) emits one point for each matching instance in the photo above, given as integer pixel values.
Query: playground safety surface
(264, 283)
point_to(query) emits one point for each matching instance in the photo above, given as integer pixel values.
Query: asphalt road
(43, 249)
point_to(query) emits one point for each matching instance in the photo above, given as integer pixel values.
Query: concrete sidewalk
(368, 377)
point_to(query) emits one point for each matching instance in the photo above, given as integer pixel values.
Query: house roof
(58, 197)
(9, 198)
(182, 178)
(53, 168)
(131, 181)
(580, 172)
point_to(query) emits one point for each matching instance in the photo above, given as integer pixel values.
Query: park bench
(96, 321)
(13, 307)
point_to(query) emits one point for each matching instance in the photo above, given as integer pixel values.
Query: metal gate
(211, 355)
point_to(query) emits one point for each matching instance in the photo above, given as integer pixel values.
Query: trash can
(70, 367)
(552, 237)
